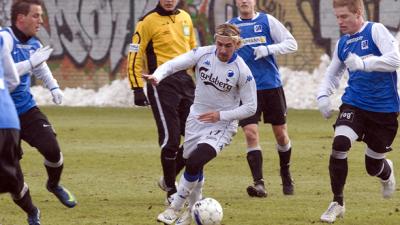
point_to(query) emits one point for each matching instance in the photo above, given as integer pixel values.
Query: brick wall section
(308, 54)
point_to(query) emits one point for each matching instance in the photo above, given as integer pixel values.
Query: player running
(29, 54)
(370, 101)
(222, 81)
(264, 37)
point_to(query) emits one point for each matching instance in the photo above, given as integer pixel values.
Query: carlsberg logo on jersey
(354, 40)
(209, 79)
(254, 40)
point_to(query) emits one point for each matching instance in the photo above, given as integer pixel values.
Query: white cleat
(185, 218)
(389, 185)
(168, 216)
(161, 184)
(169, 199)
(334, 210)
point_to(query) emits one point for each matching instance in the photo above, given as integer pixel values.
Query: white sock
(196, 194)
(185, 188)
(284, 148)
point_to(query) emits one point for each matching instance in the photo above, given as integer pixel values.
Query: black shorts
(38, 132)
(11, 177)
(170, 102)
(376, 129)
(271, 103)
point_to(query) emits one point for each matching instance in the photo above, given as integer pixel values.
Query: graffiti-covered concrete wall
(90, 36)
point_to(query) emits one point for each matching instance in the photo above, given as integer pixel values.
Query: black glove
(140, 97)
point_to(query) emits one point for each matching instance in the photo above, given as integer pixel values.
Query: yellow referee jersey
(159, 37)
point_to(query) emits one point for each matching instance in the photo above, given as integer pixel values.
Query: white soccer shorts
(218, 134)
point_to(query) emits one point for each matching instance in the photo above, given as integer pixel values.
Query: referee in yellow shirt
(160, 35)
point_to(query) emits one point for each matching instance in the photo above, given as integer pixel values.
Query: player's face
(168, 5)
(246, 8)
(349, 23)
(30, 23)
(226, 46)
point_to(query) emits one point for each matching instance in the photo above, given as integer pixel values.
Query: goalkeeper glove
(354, 62)
(324, 106)
(57, 95)
(260, 52)
(39, 56)
(140, 97)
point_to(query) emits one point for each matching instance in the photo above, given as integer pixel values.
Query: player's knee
(200, 157)
(340, 147)
(282, 138)
(251, 134)
(54, 163)
(373, 166)
(51, 153)
(341, 144)
(169, 153)
(48, 146)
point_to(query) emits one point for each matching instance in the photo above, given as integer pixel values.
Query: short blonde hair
(228, 30)
(352, 5)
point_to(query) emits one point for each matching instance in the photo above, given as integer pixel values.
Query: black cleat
(258, 190)
(34, 218)
(287, 183)
(65, 196)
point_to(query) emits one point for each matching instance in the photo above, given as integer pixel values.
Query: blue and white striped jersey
(372, 91)
(264, 29)
(22, 96)
(375, 88)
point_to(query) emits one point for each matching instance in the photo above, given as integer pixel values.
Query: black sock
(255, 160)
(25, 203)
(385, 174)
(284, 161)
(54, 174)
(180, 161)
(168, 162)
(338, 173)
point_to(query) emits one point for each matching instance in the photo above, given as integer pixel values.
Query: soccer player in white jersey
(222, 81)
(264, 37)
(370, 103)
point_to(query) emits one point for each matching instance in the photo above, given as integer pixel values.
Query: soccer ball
(207, 211)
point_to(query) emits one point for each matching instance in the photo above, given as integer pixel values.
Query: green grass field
(112, 164)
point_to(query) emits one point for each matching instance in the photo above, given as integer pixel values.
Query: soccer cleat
(258, 190)
(34, 219)
(287, 183)
(185, 218)
(334, 210)
(168, 216)
(389, 185)
(169, 199)
(65, 196)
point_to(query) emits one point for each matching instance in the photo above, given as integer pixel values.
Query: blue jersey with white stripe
(8, 114)
(371, 91)
(22, 96)
(255, 32)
